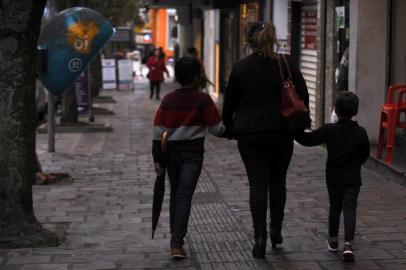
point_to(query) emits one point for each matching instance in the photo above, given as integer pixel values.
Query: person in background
(42, 178)
(162, 53)
(347, 148)
(341, 79)
(157, 67)
(252, 112)
(193, 52)
(184, 116)
(342, 72)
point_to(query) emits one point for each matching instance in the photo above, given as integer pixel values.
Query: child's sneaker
(178, 253)
(348, 252)
(332, 243)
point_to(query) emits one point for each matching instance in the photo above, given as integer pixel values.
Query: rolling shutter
(309, 56)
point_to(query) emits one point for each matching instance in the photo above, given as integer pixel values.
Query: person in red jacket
(157, 67)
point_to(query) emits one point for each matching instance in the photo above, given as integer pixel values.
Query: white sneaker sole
(330, 248)
(348, 256)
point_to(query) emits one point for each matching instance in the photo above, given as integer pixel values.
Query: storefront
(306, 46)
(229, 21)
(211, 49)
(249, 14)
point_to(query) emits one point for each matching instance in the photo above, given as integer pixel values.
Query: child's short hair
(346, 105)
(187, 69)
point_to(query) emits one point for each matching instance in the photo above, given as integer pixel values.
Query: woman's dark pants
(343, 199)
(155, 86)
(266, 156)
(183, 170)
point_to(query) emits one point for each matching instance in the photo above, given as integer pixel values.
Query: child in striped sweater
(184, 114)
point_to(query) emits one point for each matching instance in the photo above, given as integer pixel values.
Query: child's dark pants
(343, 199)
(183, 170)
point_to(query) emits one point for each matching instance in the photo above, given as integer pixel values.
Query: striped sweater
(185, 114)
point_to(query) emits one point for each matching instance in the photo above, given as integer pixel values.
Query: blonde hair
(265, 40)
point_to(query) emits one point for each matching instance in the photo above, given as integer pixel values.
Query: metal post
(51, 123)
(89, 89)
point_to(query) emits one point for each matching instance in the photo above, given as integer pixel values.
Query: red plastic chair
(390, 120)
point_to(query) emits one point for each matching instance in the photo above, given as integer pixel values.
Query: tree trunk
(20, 26)
(70, 113)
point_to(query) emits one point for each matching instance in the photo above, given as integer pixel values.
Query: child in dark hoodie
(347, 148)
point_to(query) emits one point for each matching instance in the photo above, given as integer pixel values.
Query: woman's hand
(158, 169)
(227, 134)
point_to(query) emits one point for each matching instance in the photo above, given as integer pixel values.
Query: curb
(88, 128)
(390, 172)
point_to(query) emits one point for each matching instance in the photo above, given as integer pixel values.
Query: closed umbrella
(159, 186)
(159, 192)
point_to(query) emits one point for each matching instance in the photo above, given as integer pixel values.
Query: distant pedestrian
(157, 67)
(162, 54)
(342, 72)
(341, 75)
(252, 112)
(40, 177)
(347, 148)
(193, 52)
(184, 114)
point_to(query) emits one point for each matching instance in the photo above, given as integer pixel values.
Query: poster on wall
(83, 93)
(310, 29)
(109, 74)
(340, 17)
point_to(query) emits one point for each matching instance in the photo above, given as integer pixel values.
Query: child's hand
(158, 169)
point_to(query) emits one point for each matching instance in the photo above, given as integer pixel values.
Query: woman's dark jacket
(252, 99)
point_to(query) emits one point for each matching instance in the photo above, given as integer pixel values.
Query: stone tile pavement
(107, 208)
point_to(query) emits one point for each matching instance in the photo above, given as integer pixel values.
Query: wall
(159, 27)
(209, 45)
(399, 43)
(186, 30)
(280, 18)
(330, 62)
(368, 60)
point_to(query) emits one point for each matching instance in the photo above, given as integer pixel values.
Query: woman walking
(252, 112)
(157, 67)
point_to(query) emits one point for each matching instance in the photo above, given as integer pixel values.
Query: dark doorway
(295, 30)
(342, 27)
(229, 44)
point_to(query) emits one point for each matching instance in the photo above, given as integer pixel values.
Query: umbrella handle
(164, 141)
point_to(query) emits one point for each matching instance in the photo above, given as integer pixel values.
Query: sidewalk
(107, 209)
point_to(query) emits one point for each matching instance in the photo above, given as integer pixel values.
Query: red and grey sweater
(185, 114)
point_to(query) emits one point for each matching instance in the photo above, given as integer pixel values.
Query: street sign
(72, 39)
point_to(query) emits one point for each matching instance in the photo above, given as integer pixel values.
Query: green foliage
(119, 12)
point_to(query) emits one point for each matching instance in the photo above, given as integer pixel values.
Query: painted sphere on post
(71, 39)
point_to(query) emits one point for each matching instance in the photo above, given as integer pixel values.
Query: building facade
(317, 33)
